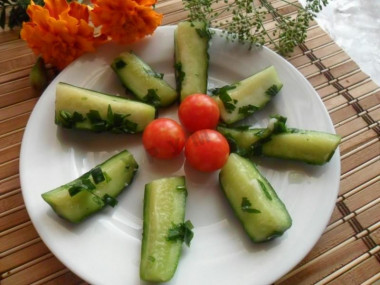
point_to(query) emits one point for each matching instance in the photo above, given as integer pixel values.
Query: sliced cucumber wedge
(254, 201)
(84, 109)
(164, 229)
(142, 81)
(302, 145)
(95, 189)
(191, 41)
(240, 100)
(277, 140)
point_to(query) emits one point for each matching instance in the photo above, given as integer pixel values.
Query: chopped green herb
(74, 190)
(273, 90)
(151, 258)
(222, 92)
(265, 190)
(248, 110)
(204, 33)
(79, 185)
(179, 75)
(246, 206)
(119, 64)
(109, 200)
(97, 175)
(152, 98)
(94, 116)
(152, 73)
(182, 232)
(280, 125)
(68, 120)
(87, 184)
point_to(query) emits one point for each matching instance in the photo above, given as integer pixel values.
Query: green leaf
(182, 232)
(109, 200)
(97, 175)
(246, 206)
(179, 75)
(152, 98)
(265, 190)
(248, 110)
(273, 90)
(222, 92)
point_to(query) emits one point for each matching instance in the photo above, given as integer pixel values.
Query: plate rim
(78, 272)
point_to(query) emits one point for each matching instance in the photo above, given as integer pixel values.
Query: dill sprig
(244, 20)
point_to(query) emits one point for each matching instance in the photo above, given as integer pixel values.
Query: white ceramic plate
(105, 249)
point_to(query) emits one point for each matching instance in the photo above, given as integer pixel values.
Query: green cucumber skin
(249, 92)
(191, 55)
(70, 98)
(311, 147)
(164, 205)
(238, 179)
(136, 76)
(120, 168)
(241, 141)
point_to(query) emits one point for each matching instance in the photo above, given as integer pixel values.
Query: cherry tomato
(164, 138)
(198, 111)
(207, 150)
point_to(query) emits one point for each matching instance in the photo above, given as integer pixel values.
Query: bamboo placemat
(347, 253)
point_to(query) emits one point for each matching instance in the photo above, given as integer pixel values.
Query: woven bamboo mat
(347, 253)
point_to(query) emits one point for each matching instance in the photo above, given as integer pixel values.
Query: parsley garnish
(68, 119)
(228, 102)
(248, 110)
(152, 98)
(109, 200)
(264, 188)
(179, 75)
(246, 206)
(97, 175)
(79, 185)
(273, 90)
(182, 232)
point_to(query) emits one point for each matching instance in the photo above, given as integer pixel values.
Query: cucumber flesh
(164, 209)
(279, 141)
(242, 99)
(254, 201)
(302, 145)
(191, 41)
(92, 191)
(85, 109)
(142, 81)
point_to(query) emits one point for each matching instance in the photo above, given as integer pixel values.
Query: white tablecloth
(355, 27)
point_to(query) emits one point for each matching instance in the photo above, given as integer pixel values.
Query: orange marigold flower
(125, 21)
(59, 31)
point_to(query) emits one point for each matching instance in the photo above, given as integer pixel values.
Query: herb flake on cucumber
(142, 81)
(253, 199)
(94, 190)
(85, 109)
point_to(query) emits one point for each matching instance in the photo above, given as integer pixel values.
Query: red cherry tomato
(198, 111)
(207, 150)
(164, 138)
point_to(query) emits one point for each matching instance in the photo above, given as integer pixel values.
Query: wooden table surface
(348, 252)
